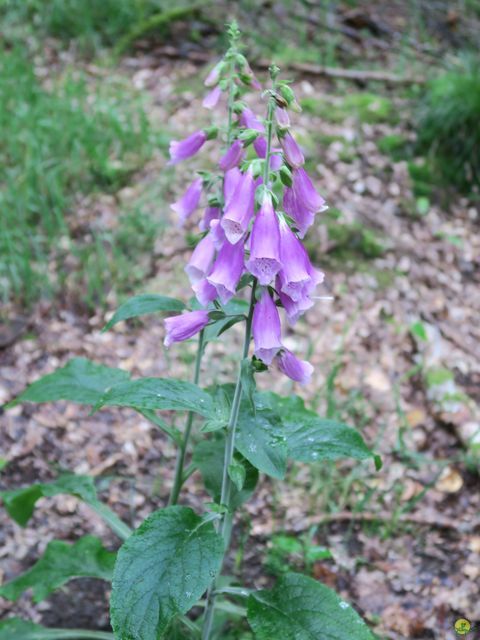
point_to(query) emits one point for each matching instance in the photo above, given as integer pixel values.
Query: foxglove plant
(250, 267)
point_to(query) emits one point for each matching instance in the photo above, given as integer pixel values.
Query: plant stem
(226, 522)
(179, 477)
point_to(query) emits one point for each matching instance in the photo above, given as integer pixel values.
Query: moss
(393, 145)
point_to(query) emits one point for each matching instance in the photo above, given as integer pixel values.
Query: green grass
(55, 145)
(448, 126)
(365, 107)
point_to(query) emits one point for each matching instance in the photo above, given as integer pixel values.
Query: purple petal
(298, 370)
(189, 201)
(292, 151)
(250, 121)
(227, 270)
(232, 157)
(204, 291)
(294, 309)
(264, 261)
(184, 326)
(266, 328)
(230, 183)
(211, 213)
(214, 75)
(183, 149)
(201, 260)
(211, 99)
(240, 208)
(294, 276)
(306, 193)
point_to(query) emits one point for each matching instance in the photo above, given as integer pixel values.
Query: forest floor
(396, 353)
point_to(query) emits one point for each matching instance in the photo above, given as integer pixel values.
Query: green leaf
(80, 380)
(161, 571)
(235, 311)
(309, 437)
(208, 458)
(260, 439)
(236, 472)
(60, 563)
(299, 608)
(20, 503)
(18, 629)
(143, 304)
(159, 394)
(418, 330)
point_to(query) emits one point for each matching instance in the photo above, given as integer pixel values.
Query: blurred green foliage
(367, 107)
(55, 144)
(449, 125)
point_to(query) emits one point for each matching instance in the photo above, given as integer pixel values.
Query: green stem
(122, 530)
(226, 522)
(179, 477)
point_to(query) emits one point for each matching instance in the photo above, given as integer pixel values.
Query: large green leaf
(235, 311)
(208, 457)
(299, 608)
(80, 380)
(261, 441)
(143, 304)
(159, 393)
(18, 629)
(60, 563)
(161, 571)
(310, 437)
(20, 503)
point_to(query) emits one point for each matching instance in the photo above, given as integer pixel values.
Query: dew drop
(314, 455)
(310, 439)
(344, 605)
(188, 594)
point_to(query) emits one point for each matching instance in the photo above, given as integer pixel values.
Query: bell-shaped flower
(184, 326)
(266, 328)
(239, 210)
(306, 193)
(183, 149)
(189, 201)
(214, 75)
(298, 370)
(230, 183)
(232, 157)
(291, 150)
(282, 118)
(217, 233)
(227, 270)
(250, 121)
(264, 262)
(294, 276)
(202, 258)
(211, 213)
(210, 101)
(294, 309)
(204, 291)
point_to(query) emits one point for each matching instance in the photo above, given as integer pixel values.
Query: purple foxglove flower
(218, 234)
(230, 182)
(294, 276)
(184, 326)
(306, 193)
(214, 75)
(189, 201)
(302, 216)
(239, 209)
(227, 270)
(201, 260)
(266, 328)
(298, 370)
(282, 118)
(260, 146)
(264, 261)
(232, 157)
(211, 213)
(183, 149)
(276, 160)
(294, 309)
(292, 151)
(211, 99)
(204, 291)
(250, 121)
